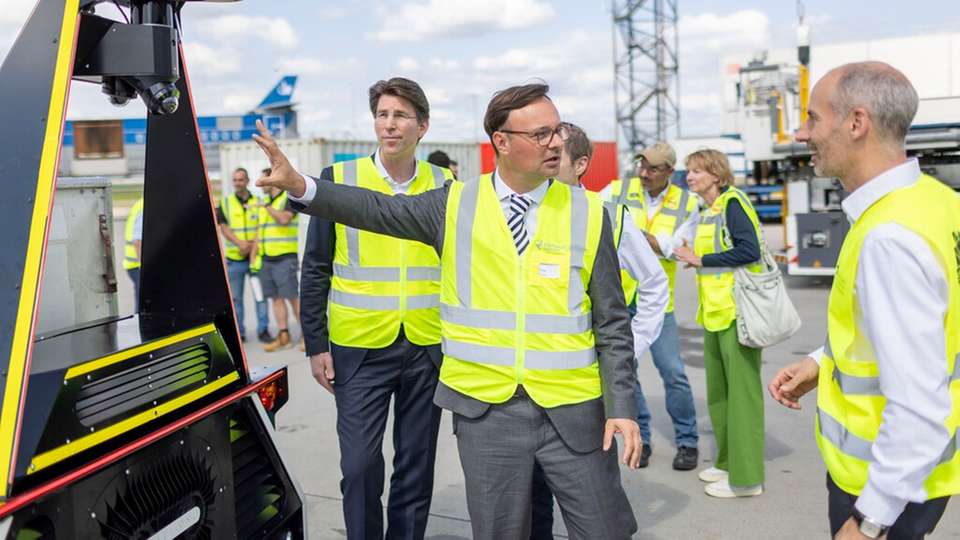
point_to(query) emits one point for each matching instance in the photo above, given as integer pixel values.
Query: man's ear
(581, 166)
(422, 130)
(860, 123)
(500, 142)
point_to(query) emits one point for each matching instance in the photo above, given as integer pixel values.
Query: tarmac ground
(667, 504)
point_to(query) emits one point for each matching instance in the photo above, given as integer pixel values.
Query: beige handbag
(765, 314)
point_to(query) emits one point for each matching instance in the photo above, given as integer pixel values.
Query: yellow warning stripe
(44, 460)
(23, 329)
(99, 363)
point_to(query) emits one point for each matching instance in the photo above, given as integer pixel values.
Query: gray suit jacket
(421, 218)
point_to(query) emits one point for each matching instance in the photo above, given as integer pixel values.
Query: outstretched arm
(418, 217)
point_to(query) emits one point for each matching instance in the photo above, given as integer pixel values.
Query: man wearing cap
(668, 215)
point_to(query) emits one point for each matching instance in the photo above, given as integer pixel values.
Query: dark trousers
(405, 372)
(916, 521)
(134, 274)
(541, 527)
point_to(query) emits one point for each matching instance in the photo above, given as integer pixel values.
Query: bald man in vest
(888, 391)
(538, 358)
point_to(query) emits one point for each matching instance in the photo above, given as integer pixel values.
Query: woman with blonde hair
(728, 236)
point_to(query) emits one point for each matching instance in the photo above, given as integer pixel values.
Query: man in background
(277, 242)
(239, 216)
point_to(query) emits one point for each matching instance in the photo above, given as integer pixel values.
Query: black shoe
(645, 456)
(265, 337)
(686, 459)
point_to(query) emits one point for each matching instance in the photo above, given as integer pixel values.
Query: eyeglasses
(545, 135)
(642, 164)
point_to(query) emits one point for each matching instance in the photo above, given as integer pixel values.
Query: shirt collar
(504, 191)
(658, 198)
(383, 171)
(892, 179)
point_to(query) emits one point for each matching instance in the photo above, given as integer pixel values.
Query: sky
(461, 51)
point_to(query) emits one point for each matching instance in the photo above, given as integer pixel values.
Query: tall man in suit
(538, 358)
(382, 338)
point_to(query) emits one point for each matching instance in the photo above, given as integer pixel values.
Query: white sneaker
(713, 474)
(723, 490)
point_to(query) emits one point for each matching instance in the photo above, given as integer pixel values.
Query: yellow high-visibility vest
(677, 206)
(276, 239)
(849, 401)
(381, 282)
(509, 319)
(130, 258)
(717, 309)
(243, 220)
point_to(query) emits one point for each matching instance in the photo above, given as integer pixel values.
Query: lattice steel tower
(646, 87)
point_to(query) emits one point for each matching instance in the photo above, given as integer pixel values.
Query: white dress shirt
(398, 187)
(667, 242)
(683, 234)
(902, 301)
(653, 289)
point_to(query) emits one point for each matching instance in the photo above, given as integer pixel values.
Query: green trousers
(735, 401)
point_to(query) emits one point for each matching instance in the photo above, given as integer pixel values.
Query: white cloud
(308, 65)
(408, 64)
(705, 39)
(206, 61)
(419, 20)
(247, 29)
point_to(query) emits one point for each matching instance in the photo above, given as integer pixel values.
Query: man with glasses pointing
(537, 347)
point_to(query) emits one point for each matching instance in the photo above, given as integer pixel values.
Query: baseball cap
(658, 154)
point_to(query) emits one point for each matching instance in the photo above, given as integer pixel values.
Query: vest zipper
(521, 319)
(403, 280)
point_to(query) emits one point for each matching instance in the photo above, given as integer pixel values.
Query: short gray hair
(885, 92)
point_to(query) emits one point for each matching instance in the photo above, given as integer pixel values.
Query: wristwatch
(869, 527)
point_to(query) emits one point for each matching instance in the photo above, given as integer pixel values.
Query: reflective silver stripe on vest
(364, 301)
(499, 356)
(366, 273)
(423, 301)
(479, 318)
(438, 178)
(839, 436)
(826, 348)
(559, 360)
(558, 324)
(853, 385)
(423, 273)
(579, 209)
(466, 215)
(506, 320)
(858, 447)
(681, 213)
(353, 235)
(611, 208)
(712, 270)
(383, 303)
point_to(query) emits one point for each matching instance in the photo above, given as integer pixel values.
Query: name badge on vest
(549, 271)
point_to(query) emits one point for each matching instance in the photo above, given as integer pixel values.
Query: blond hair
(713, 162)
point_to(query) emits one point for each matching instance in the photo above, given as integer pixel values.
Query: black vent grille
(150, 502)
(144, 385)
(258, 491)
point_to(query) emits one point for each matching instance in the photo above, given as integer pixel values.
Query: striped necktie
(519, 204)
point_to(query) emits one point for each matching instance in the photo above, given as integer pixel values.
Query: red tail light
(271, 395)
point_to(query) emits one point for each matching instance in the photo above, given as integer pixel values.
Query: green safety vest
(276, 239)
(130, 259)
(242, 219)
(381, 282)
(509, 319)
(850, 403)
(717, 308)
